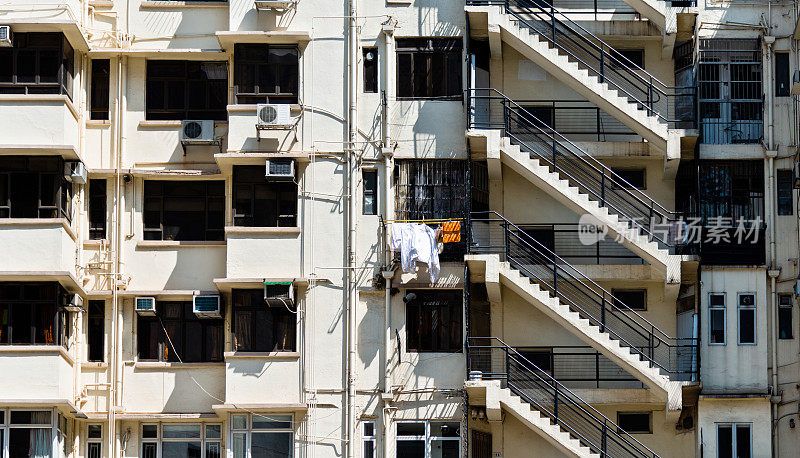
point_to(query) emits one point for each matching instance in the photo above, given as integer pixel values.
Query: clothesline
(442, 220)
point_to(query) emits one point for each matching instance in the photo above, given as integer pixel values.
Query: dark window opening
(785, 192)
(635, 422)
(433, 321)
(542, 359)
(429, 68)
(29, 314)
(536, 117)
(100, 88)
(265, 74)
(730, 445)
(630, 299)
(184, 210)
(747, 319)
(633, 178)
(34, 187)
(782, 84)
(176, 334)
(259, 326)
(95, 334)
(181, 90)
(785, 318)
(97, 209)
(716, 312)
(370, 56)
(628, 58)
(370, 202)
(261, 203)
(37, 63)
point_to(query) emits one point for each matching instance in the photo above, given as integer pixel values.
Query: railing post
(506, 241)
(603, 313)
(602, 64)
(603, 188)
(555, 403)
(603, 439)
(651, 350)
(597, 369)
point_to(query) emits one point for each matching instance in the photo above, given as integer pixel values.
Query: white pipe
(112, 366)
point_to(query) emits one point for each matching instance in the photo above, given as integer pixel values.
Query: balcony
(36, 372)
(263, 252)
(42, 246)
(262, 378)
(39, 124)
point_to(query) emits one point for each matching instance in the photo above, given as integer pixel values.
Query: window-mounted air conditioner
(145, 306)
(75, 172)
(280, 169)
(5, 36)
(198, 132)
(206, 306)
(74, 303)
(273, 115)
(279, 294)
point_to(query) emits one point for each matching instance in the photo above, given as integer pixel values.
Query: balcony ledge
(228, 38)
(144, 244)
(33, 98)
(262, 230)
(181, 4)
(161, 365)
(39, 222)
(273, 355)
(6, 350)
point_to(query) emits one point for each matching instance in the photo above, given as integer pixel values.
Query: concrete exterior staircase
(498, 399)
(551, 182)
(537, 49)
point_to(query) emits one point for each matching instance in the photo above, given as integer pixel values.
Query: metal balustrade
(497, 361)
(490, 233)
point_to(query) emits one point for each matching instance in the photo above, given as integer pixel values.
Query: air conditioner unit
(272, 115)
(279, 293)
(280, 169)
(206, 306)
(146, 306)
(198, 132)
(74, 303)
(5, 36)
(75, 172)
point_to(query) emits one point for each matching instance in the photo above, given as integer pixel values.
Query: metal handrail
(583, 295)
(562, 405)
(588, 173)
(591, 52)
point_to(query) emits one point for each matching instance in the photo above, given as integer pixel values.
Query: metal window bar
(553, 399)
(571, 162)
(674, 357)
(598, 58)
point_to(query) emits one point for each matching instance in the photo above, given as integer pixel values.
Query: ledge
(266, 407)
(52, 349)
(181, 4)
(251, 108)
(262, 230)
(39, 222)
(262, 355)
(94, 365)
(177, 243)
(227, 284)
(164, 123)
(159, 365)
(227, 39)
(41, 98)
(98, 124)
(65, 151)
(65, 278)
(95, 243)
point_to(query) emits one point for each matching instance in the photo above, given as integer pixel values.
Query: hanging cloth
(416, 243)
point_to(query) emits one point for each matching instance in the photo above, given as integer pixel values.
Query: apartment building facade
(197, 200)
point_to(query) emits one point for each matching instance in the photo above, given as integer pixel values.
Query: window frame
(90, 333)
(454, 329)
(622, 171)
(165, 344)
(62, 189)
(167, 113)
(786, 75)
(734, 426)
(370, 82)
(291, 318)
(649, 422)
(249, 430)
(162, 199)
(60, 317)
(100, 95)
(428, 438)
(6, 426)
(784, 192)
(268, 97)
(434, 45)
(369, 440)
(629, 307)
(782, 317)
(749, 308)
(717, 308)
(98, 229)
(66, 66)
(280, 188)
(372, 192)
(97, 441)
(160, 439)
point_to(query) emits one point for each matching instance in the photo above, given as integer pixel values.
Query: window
(29, 313)
(635, 422)
(37, 63)
(265, 73)
(428, 439)
(181, 440)
(262, 436)
(176, 334)
(34, 187)
(180, 90)
(747, 318)
(633, 178)
(94, 441)
(184, 210)
(630, 299)
(97, 209)
(261, 326)
(785, 192)
(433, 321)
(429, 68)
(262, 203)
(96, 332)
(370, 180)
(785, 327)
(100, 89)
(716, 318)
(370, 440)
(542, 359)
(628, 58)
(533, 118)
(734, 440)
(370, 56)
(29, 432)
(782, 86)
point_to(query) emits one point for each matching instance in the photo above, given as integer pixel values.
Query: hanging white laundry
(416, 242)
